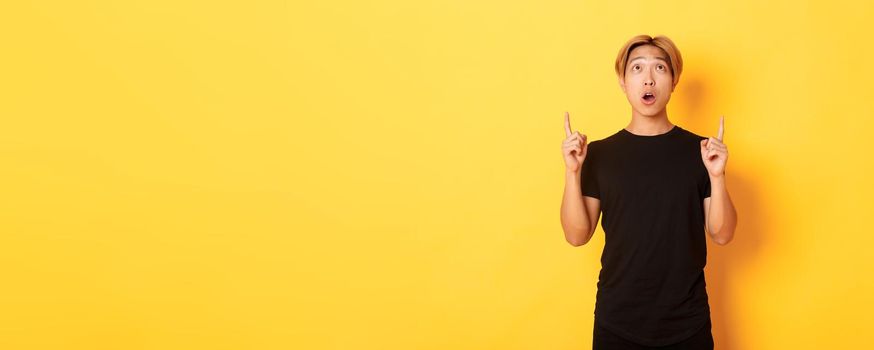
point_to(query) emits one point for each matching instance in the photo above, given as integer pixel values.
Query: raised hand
(574, 147)
(714, 154)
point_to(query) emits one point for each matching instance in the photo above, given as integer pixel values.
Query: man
(662, 191)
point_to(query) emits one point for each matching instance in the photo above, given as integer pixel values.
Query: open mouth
(648, 98)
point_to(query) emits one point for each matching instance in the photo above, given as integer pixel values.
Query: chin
(650, 111)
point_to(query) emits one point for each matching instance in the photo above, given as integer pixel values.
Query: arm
(579, 214)
(719, 213)
(720, 218)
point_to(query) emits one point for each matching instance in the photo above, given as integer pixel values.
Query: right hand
(574, 147)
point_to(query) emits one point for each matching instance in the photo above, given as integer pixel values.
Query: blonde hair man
(661, 190)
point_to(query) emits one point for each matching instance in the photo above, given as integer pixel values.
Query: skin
(647, 70)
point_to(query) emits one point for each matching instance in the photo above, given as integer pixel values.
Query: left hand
(714, 154)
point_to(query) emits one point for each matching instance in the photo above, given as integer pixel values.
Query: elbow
(577, 239)
(725, 234)
(574, 233)
(721, 241)
(723, 238)
(575, 242)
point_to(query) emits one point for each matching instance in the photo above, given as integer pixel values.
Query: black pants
(605, 340)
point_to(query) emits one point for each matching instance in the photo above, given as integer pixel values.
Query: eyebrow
(639, 57)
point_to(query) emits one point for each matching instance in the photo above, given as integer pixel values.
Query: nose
(648, 81)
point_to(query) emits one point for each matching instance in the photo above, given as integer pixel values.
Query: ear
(622, 84)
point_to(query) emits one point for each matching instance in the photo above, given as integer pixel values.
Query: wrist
(571, 176)
(717, 179)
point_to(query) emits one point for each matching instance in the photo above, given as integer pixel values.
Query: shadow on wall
(725, 264)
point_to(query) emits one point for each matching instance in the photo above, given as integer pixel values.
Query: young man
(662, 191)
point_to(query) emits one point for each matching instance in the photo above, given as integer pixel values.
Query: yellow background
(388, 175)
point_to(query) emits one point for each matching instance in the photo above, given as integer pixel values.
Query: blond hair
(662, 42)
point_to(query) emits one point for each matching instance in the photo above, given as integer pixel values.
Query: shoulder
(689, 135)
(607, 141)
(691, 142)
(598, 146)
(605, 145)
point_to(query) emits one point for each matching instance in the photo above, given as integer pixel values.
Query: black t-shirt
(651, 287)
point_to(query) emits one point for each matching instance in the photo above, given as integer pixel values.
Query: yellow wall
(376, 175)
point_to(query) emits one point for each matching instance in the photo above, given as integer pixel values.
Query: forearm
(723, 217)
(574, 216)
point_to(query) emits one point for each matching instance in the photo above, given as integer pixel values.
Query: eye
(661, 67)
(635, 67)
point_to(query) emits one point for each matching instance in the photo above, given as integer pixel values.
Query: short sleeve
(588, 178)
(705, 184)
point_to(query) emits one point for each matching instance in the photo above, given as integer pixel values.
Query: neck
(648, 125)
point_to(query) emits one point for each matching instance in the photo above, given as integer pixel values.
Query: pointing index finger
(721, 128)
(567, 124)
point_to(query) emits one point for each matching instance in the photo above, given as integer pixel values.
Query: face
(648, 80)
